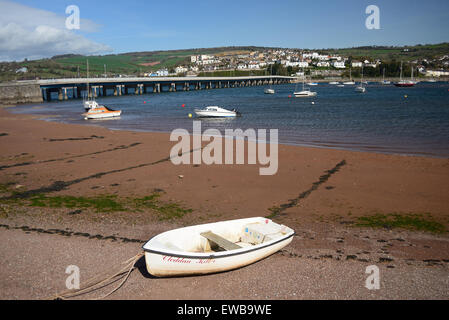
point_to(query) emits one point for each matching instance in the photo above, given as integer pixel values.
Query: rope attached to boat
(101, 281)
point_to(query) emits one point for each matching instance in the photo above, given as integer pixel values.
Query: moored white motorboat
(100, 112)
(312, 83)
(215, 111)
(334, 82)
(304, 94)
(214, 247)
(269, 91)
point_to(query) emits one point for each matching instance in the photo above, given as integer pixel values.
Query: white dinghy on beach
(214, 247)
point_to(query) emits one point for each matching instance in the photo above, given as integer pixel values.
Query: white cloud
(31, 33)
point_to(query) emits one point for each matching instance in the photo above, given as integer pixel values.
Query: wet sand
(320, 193)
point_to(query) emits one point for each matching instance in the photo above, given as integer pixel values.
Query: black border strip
(212, 256)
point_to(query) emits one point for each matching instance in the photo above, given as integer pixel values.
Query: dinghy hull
(162, 262)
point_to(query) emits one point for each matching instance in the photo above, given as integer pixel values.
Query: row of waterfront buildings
(261, 60)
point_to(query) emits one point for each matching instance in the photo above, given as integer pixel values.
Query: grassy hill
(127, 63)
(407, 53)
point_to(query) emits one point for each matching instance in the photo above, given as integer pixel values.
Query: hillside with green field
(407, 53)
(134, 63)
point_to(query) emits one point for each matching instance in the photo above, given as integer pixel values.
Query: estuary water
(386, 119)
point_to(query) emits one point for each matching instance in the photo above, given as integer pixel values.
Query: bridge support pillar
(48, 94)
(60, 94)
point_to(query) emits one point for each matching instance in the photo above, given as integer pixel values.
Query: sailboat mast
(88, 96)
(271, 73)
(361, 81)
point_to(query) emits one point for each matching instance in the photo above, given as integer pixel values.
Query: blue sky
(135, 25)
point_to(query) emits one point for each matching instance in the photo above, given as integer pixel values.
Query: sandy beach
(325, 195)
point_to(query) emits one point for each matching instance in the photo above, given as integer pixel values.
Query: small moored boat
(215, 111)
(270, 90)
(97, 111)
(93, 109)
(214, 247)
(405, 83)
(350, 82)
(361, 88)
(304, 94)
(305, 91)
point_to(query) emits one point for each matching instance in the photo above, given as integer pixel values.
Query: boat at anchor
(216, 112)
(97, 111)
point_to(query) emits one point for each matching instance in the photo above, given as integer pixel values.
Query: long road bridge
(64, 89)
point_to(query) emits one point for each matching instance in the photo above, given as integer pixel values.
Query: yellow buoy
(405, 96)
(190, 115)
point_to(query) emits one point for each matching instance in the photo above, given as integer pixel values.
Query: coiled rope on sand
(101, 281)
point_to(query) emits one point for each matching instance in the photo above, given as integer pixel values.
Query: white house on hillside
(181, 69)
(339, 64)
(323, 64)
(162, 73)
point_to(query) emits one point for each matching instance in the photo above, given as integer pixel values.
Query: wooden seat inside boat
(220, 241)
